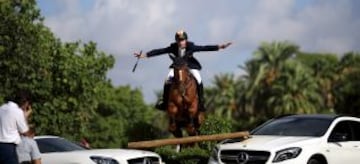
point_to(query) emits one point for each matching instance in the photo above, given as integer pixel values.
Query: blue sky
(121, 27)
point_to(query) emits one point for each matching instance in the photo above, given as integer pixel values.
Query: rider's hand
(139, 55)
(223, 46)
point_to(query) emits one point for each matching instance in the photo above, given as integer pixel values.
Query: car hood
(126, 153)
(83, 156)
(259, 142)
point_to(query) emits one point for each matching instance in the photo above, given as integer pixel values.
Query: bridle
(183, 79)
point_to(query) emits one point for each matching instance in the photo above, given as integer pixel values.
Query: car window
(355, 126)
(342, 132)
(294, 126)
(49, 145)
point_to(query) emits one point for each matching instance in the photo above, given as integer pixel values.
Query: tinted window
(341, 132)
(295, 126)
(48, 145)
(356, 130)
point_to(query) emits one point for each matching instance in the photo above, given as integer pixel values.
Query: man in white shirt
(12, 124)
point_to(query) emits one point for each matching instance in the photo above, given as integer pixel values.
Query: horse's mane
(179, 62)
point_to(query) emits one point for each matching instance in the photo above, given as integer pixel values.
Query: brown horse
(183, 103)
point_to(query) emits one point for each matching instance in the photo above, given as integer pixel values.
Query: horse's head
(181, 70)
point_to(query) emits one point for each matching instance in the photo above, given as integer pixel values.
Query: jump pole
(186, 140)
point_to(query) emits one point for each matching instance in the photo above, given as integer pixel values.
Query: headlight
(103, 160)
(214, 154)
(286, 154)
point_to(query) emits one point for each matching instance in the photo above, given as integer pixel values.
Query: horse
(183, 101)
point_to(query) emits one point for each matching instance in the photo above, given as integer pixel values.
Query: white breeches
(194, 72)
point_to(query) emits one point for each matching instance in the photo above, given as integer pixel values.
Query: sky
(122, 27)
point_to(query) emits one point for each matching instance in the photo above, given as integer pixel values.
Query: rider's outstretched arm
(153, 52)
(209, 47)
(156, 52)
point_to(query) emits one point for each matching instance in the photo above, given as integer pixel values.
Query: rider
(184, 49)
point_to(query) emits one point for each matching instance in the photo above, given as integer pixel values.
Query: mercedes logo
(242, 158)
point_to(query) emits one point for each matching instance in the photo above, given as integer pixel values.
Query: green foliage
(73, 96)
(192, 155)
(214, 125)
(221, 98)
(201, 152)
(122, 116)
(348, 84)
(294, 92)
(23, 38)
(281, 80)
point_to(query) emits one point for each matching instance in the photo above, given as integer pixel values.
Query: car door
(342, 147)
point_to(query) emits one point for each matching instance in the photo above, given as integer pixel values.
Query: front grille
(145, 160)
(244, 157)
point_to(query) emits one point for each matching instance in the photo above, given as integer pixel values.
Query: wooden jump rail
(186, 140)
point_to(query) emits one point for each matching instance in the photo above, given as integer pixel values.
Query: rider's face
(182, 43)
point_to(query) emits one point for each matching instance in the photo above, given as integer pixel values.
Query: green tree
(263, 71)
(325, 71)
(295, 91)
(221, 98)
(347, 87)
(25, 45)
(122, 116)
(65, 78)
(78, 76)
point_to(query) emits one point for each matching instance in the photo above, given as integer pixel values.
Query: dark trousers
(26, 162)
(8, 153)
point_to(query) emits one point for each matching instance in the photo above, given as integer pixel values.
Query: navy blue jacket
(173, 51)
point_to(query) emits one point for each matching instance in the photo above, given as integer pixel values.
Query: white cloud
(121, 27)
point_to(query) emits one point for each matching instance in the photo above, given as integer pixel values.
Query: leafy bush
(192, 155)
(214, 125)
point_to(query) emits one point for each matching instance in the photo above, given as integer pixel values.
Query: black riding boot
(200, 89)
(162, 104)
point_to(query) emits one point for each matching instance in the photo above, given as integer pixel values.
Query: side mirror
(338, 137)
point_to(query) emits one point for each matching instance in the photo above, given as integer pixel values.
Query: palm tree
(295, 91)
(263, 70)
(324, 69)
(222, 96)
(346, 89)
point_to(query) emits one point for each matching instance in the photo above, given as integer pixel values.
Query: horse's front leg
(193, 110)
(173, 127)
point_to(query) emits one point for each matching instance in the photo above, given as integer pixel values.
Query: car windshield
(49, 145)
(294, 126)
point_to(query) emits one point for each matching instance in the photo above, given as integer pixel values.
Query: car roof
(319, 116)
(331, 117)
(46, 136)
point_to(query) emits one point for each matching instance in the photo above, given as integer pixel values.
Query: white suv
(56, 150)
(295, 139)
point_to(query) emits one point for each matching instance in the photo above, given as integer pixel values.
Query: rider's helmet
(181, 35)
